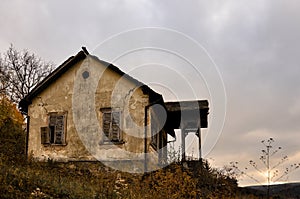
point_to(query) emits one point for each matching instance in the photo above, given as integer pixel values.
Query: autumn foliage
(12, 135)
(23, 178)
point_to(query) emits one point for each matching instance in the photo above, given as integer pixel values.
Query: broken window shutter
(59, 130)
(45, 137)
(106, 125)
(115, 133)
(52, 123)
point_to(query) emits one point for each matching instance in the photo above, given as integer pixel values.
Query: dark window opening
(52, 132)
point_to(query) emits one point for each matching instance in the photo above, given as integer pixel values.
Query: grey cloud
(254, 43)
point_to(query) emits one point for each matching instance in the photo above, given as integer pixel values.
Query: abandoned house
(88, 109)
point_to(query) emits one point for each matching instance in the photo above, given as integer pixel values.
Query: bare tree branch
(20, 72)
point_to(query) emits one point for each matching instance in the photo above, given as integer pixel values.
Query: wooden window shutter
(59, 130)
(111, 121)
(45, 135)
(106, 125)
(115, 130)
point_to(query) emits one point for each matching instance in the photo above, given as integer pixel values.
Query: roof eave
(26, 101)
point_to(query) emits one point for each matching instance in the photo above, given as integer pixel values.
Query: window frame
(110, 138)
(154, 139)
(50, 133)
(156, 132)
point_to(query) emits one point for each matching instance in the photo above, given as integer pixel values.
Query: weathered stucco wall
(111, 91)
(57, 97)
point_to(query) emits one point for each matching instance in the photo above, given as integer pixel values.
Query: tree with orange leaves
(12, 135)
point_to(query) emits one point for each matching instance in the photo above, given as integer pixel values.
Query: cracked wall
(112, 90)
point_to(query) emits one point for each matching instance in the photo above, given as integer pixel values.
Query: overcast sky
(255, 46)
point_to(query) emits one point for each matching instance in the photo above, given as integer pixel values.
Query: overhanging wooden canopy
(187, 112)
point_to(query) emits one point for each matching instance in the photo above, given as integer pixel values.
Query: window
(111, 125)
(155, 131)
(154, 135)
(55, 132)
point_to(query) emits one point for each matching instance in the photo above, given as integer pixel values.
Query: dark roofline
(61, 69)
(174, 110)
(187, 105)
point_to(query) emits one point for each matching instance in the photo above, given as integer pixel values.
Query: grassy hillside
(28, 179)
(93, 180)
(22, 178)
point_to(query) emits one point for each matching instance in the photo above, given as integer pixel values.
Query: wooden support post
(200, 146)
(183, 133)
